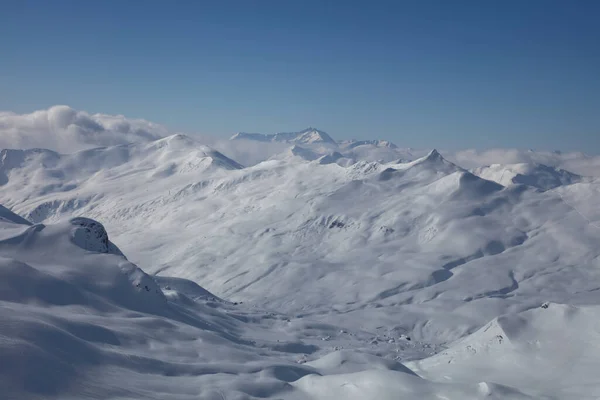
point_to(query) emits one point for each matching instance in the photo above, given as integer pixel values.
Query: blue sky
(447, 74)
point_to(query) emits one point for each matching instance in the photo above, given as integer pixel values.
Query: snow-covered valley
(307, 269)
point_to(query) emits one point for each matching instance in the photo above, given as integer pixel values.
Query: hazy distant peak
(350, 144)
(537, 175)
(306, 136)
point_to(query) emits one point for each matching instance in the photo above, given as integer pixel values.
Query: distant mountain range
(332, 264)
(306, 136)
(310, 136)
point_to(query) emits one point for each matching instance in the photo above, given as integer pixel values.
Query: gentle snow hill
(549, 349)
(537, 175)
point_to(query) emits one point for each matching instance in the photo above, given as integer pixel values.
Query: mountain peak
(309, 135)
(434, 161)
(434, 155)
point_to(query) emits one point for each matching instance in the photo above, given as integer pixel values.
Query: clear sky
(448, 74)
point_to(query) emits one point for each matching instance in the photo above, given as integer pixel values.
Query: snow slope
(59, 184)
(537, 175)
(400, 241)
(80, 321)
(552, 347)
(575, 162)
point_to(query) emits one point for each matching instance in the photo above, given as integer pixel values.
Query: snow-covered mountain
(574, 162)
(527, 349)
(299, 225)
(308, 136)
(321, 144)
(325, 270)
(350, 144)
(64, 183)
(81, 321)
(536, 175)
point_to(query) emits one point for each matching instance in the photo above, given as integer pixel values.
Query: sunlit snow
(136, 263)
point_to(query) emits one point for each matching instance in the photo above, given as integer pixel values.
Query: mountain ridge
(305, 136)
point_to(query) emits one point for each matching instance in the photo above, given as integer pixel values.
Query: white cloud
(66, 130)
(63, 129)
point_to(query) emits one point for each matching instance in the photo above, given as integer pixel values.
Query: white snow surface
(315, 274)
(536, 175)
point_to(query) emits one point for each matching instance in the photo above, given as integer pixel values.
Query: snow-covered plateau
(140, 264)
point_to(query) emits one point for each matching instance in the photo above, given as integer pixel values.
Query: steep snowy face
(432, 163)
(8, 216)
(91, 235)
